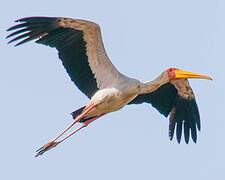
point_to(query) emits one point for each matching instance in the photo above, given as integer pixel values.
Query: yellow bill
(181, 74)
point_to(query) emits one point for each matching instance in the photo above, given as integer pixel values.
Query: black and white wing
(177, 100)
(79, 44)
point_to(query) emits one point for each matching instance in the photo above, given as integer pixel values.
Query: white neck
(153, 85)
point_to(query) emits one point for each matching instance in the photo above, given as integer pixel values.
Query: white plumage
(81, 50)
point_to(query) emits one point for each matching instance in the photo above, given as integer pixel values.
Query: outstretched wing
(79, 44)
(177, 100)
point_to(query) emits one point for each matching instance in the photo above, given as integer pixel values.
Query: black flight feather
(68, 41)
(183, 112)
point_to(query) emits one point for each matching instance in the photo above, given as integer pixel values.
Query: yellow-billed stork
(81, 50)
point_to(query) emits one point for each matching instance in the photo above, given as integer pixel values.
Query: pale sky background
(142, 38)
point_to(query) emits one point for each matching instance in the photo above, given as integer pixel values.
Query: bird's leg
(85, 124)
(75, 121)
(53, 143)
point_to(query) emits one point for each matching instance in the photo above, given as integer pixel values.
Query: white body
(113, 98)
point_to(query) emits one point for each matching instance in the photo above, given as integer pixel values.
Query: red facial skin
(171, 73)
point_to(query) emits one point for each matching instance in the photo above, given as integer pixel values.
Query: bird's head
(174, 73)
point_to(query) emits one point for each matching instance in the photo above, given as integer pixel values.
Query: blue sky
(142, 39)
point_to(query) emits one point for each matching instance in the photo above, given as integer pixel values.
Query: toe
(46, 147)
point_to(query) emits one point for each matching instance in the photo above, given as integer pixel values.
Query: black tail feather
(78, 112)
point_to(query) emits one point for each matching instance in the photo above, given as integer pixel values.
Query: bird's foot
(46, 147)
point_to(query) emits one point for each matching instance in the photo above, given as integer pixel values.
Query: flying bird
(81, 50)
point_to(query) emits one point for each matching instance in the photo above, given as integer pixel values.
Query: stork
(81, 50)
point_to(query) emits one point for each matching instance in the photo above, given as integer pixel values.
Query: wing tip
(185, 115)
(187, 132)
(29, 28)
